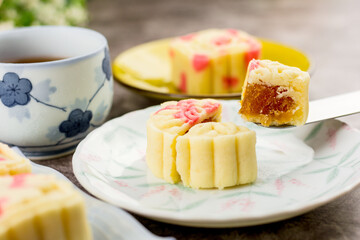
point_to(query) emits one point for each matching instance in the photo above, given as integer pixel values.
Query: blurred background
(21, 13)
(324, 29)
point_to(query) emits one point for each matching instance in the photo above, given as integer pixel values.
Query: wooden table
(327, 30)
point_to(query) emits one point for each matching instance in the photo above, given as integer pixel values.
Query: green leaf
(8, 4)
(324, 193)
(234, 194)
(169, 202)
(26, 18)
(314, 131)
(194, 204)
(110, 135)
(353, 163)
(76, 2)
(184, 188)
(178, 185)
(133, 169)
(129, 177)
(152, 184)
(265, 194)
(348, 154)
(326, 157)
(277, 132)
(348, 178)
(320, 170)
(167, 209)
(127, 167)
(337, 186)
(332, 175)
(130, 130)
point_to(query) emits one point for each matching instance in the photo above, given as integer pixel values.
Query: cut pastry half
(174, 119)
(275, 94)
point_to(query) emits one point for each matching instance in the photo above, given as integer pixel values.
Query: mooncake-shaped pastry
(212, 61)
(216, 155)
(12, 163)
(171, 121)
(40, 207)
(275, 94)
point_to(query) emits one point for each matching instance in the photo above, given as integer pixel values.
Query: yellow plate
(145, 69)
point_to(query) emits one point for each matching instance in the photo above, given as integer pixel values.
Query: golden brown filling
(263, 101)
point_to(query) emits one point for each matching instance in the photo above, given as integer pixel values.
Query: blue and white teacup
(46, 108)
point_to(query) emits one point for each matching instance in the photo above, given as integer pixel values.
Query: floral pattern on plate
(299, 169)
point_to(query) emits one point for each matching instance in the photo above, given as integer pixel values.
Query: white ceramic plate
(107, 222)
(299, 169)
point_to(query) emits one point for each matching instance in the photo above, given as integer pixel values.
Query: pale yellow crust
(217, 155)
(12, 163)
(223, 61)
(41, 207)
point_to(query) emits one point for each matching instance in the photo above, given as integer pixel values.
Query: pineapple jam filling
(269, 102)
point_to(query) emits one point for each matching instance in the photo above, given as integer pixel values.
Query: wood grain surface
(328, 30)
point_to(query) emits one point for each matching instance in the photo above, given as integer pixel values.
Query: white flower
(28, 4)
(6, 25)
(58, 3)
(76, 15)
(47, 14)
(11, 14)
(41, 12)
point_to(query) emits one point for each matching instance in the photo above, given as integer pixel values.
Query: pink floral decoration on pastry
(200, 62)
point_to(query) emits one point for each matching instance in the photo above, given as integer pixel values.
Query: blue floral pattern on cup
(15, 90)
(106, 65)
(78, 122)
